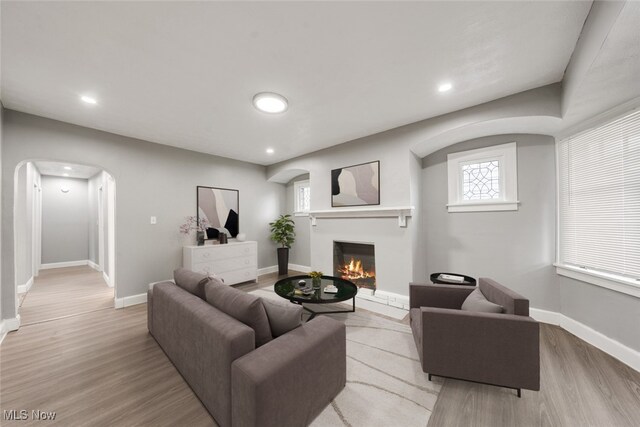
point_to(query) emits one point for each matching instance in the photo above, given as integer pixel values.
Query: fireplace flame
(354, 270)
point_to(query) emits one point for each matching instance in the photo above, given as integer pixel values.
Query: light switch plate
(154, 220)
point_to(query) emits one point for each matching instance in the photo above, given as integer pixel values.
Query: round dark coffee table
(346, 290)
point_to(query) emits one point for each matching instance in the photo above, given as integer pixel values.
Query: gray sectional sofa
(456, 339)
(244, 375)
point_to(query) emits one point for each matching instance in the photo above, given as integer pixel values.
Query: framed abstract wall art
(220, 208)
(357, 185)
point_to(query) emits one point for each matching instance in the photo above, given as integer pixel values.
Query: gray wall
(517, 248)
(65, 220)
(301, 250)
(611, 313)
(151, 179)
(94, 184)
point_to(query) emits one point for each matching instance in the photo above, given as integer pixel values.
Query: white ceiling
(58, 169)
(614, 76)
(184, 74)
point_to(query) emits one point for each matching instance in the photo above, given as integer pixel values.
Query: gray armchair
(497, 349)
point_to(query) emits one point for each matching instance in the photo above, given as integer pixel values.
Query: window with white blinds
(599, 199)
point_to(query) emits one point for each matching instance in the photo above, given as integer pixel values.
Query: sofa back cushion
(512, 302)
(283, 316)
(243, 307)
(476, 301)
(190, 281)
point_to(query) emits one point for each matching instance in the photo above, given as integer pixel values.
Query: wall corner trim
(130, 300)
(22, 289)
(267, 270)
(93, 265)
(8, 325)
(64, 264)
(625, 354)
(301, 268)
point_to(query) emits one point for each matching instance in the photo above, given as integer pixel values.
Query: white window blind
(599, 197)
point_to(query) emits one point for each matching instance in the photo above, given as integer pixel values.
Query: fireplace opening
(355, 262)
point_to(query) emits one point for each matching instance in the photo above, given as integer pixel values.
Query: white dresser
(235, 262)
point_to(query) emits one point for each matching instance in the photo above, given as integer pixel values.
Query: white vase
(241, 237)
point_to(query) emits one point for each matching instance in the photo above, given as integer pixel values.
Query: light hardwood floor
(103, 368)
(64, 292)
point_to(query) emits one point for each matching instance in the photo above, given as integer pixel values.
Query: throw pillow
(476, 301)
(283, 316)
(243, 307)
(190, 281)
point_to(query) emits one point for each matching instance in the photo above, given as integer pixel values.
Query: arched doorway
(64, 245)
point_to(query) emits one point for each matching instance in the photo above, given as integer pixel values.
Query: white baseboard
(267, 270)
(274, 269)
(131, 300)
(301, 268)
(106, 279)
(93, 265)
(384, 297)
(22, 289)
(8, 325)
(64, 264)
(625, 354)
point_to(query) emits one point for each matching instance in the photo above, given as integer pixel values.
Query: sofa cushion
(476, 301)
(283, 316)
(190, 281)
(243, 307)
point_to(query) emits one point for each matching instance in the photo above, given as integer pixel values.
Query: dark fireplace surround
(355, 262)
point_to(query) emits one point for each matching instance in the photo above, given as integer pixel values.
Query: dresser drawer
(218, 252)
(223, 265)
(240, 276)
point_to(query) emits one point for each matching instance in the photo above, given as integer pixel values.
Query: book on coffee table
(451, 278)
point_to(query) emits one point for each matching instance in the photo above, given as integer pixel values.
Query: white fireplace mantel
(402, 212)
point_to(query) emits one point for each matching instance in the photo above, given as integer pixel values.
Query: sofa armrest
(443, 296)
(202, 342)
(500, 349)
(290, 380)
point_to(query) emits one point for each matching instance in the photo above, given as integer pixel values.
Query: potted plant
(283, 233)
(200, 226)
(316, 279)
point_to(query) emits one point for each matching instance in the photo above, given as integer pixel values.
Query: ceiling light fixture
(67, 168)
(88, 99)
(444, 87)
(269, 102)
(270, 151)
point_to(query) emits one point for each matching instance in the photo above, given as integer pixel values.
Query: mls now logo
(22, 415)
(15, 415)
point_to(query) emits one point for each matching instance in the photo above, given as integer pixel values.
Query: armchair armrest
(270, 386)
(500, 349)
(443, 296)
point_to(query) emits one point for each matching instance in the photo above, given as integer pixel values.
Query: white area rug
(385, 383)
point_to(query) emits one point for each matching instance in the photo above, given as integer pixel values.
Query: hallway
(64, 292)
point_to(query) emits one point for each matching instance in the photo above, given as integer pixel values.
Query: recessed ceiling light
(88, 99)
(67, 168)
(268, 102)
(270, 151)
(65, 174)
(444, 87)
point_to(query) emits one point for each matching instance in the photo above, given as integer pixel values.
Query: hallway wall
(65, 220)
